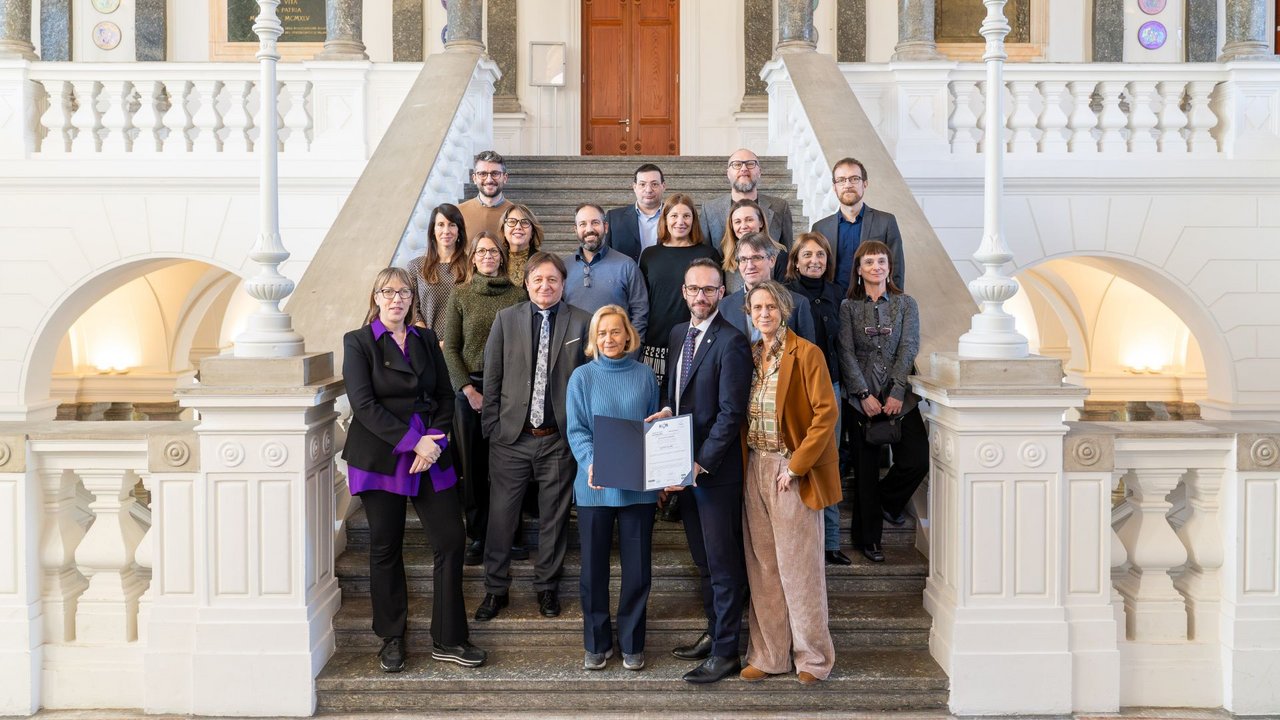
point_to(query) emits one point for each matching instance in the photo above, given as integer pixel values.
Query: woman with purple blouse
(396, 451)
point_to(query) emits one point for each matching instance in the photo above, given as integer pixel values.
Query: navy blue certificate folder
(643, 456)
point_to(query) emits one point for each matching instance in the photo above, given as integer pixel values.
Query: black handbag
(883, 430)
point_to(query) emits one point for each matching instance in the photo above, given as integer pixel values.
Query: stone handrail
(84, 547)
(930, 113)
(1192, 553)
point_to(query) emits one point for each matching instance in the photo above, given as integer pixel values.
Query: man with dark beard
(484, 211)
(855, 223)
(600, 275)
(743, 171)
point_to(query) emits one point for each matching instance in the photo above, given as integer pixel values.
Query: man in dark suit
(756, 258)
(855, 223)
(532, 350)
(744, 172)
(633, 228)
(710, 379)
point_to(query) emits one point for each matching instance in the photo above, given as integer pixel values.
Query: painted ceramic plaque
(106, 7)
(106, 35)
(1151, 7)
(1152, 35)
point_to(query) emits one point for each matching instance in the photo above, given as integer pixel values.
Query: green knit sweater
(467, 320)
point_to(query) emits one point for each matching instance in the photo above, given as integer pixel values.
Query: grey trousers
(547, 463)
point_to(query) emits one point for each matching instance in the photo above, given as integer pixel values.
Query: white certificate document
(668, 452)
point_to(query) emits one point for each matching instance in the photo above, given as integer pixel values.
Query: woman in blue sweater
(613, 385)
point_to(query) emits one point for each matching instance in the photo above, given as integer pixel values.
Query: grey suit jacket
(876, 225)
(509, 357)
(777, 215)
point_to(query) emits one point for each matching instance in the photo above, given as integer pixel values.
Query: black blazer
(623, 233)
(385, 391)
(717, 396)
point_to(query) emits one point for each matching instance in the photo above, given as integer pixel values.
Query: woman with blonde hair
(746, 217)
(680, 242)
(612, 385)
(793, 472)
(397, 451)
(523, 235)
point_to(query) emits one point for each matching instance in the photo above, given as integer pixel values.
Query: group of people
(477, 377)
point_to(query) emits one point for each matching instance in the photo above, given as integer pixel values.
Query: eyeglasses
(485, 174)
(586, 275)
(877, 330)
(696, 290)
(512, 223)
(846, 180)
(402, 293)
(748, 164)
(751, 259)
(482, 252)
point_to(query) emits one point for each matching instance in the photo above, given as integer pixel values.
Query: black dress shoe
(519, 552)
(474, 554)
(873, 552)
(464, 654)
(895, 520)
(490, 606)
(391, 657)
(549, 603)
(835, 557)
(714, 669)
(699, 650)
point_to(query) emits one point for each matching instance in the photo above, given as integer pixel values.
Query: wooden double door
(630, 77)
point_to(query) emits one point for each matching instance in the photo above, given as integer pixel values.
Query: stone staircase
(879, 626)
(552, 186)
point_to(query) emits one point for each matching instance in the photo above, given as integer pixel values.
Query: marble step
(856, 621)
(665, 534)
(551, 680)
(904, 571)
(775, 165)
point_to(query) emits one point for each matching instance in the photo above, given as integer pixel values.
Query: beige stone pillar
(915, 32)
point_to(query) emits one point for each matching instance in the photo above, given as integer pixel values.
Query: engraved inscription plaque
(303, 20)
(958, 21)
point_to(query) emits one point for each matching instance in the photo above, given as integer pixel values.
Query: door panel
(630, 92)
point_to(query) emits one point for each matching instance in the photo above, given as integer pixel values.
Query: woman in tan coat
(793, 472)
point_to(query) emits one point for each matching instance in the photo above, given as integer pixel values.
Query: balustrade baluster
(85, 118)
(206, 120)
(147, 119)
(963, 120)
(237, 119)
(1171, 118)
(144, 557)
(60, 535)
(1154, 609)
(115, 119)
(1142, 120)
(1052, 121)
(1201, 118)
(1202, 535)
(297, 121)
(1022, 118)
(176, 121)
(108, 609)
(1082, 120)
(57, 118)
(1112, 118)
(1119, 556)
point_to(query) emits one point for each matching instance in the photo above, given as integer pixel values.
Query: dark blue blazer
(717, 396)
(623, 233)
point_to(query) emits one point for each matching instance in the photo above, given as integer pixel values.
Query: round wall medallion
(106, 35)
(231, 453)
(176, 453)
(274, 454)
(313, 447)
(1087, 452)
(989, 454)
(1264, 452)
(106, 7)
(1032, 454)
(5, 454)
(1153, 34)
(1151, 7)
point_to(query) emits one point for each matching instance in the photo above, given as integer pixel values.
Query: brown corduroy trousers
(787, 573)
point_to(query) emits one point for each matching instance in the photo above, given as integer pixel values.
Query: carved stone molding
(13, 454)
(170, 453)
(1257, 451)
(231, 454)
(1032, 454)
(989, 454)
(275, 454)
(1088, 453)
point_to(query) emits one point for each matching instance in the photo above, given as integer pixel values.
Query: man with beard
(633, 228)
(484, 211)
(600, 275)
(855, 223)
(744, 179)
(710, 379)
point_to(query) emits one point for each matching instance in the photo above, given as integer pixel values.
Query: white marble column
(15, 30)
